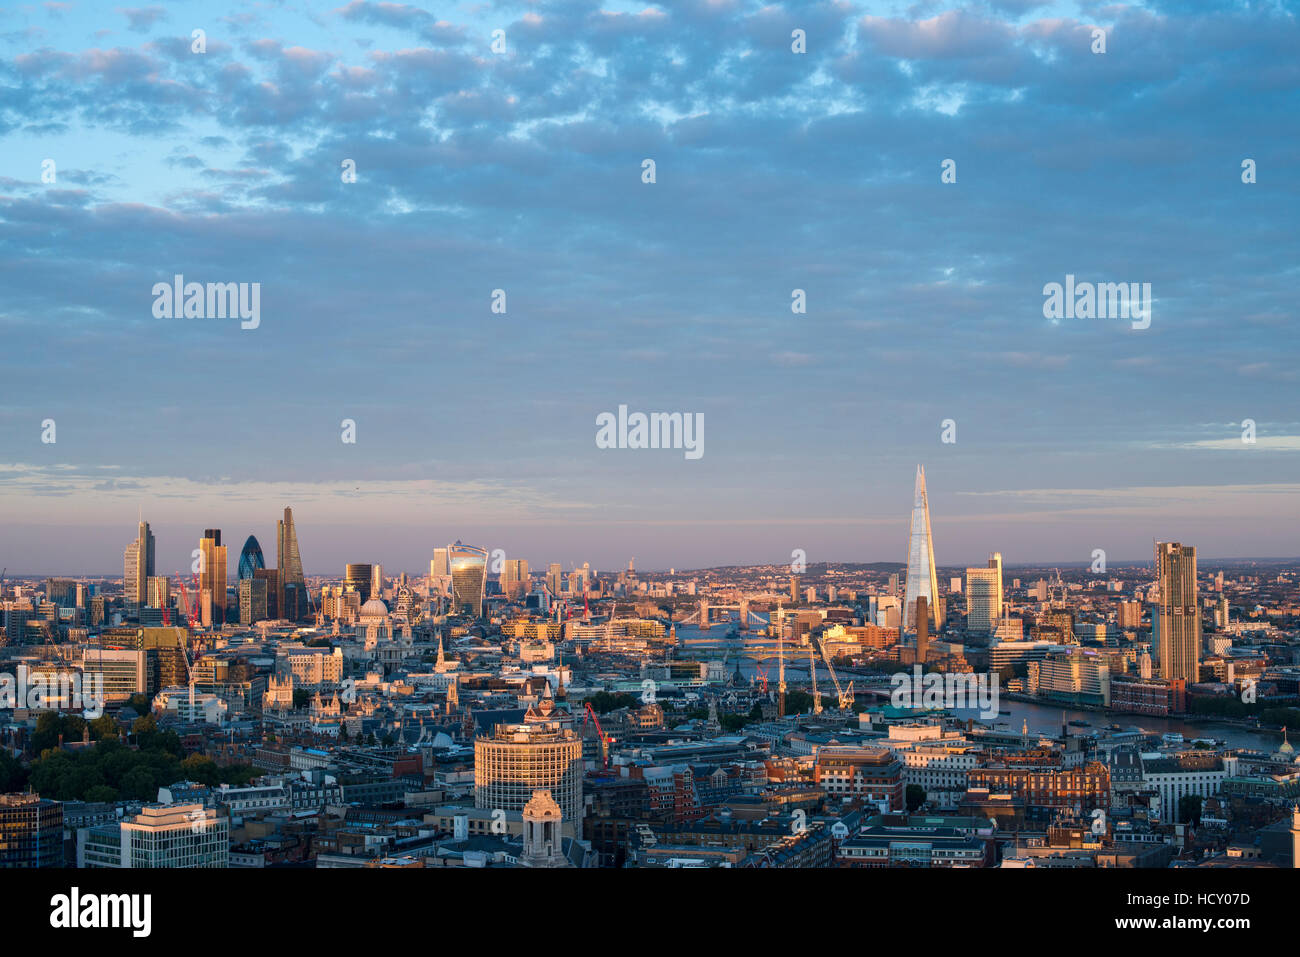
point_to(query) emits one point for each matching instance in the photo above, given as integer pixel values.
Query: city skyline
(474, 173)
(543, 556)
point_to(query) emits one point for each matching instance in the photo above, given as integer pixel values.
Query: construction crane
(780, 665)
(845, 698)
(604, 741)
(762, 678)
(812, 670)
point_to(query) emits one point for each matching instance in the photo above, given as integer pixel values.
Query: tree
(1189, 809)
(104, 727)
(915, 797)
(604, 701)
(797, 702)
(13, 776)
(301, 697)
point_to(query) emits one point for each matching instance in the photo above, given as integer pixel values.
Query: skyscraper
(514, 578)
(359, 577)
(137, 569)
(212, 578)
(250, 559)
(921, 577)
(291, 586)
(1175, 615)
(984, 596)
(468, 565)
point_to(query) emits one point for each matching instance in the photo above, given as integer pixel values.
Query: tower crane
(780, 665)
(604, 741)
(845, 697)
(812, 670)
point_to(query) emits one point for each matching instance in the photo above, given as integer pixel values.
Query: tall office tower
(922, 629)
(377, 581)
(555, 579)
(514, 760)
(61, 591)
(893, 584)
(468, 565)
(1175, 616)
(253, 600)
(159, 591)
(1130, 615)
(514, 578)
(271, 576)
(291, 586)
(250, 559)
(984, 596)
(438, 568)
(921, 577)
(212, 578)
(794, 588)
(359, 577)
(137, 567)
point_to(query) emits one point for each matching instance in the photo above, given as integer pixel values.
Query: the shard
(921, 578)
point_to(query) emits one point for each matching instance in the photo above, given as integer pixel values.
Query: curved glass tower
(250, 559)
(468, 566)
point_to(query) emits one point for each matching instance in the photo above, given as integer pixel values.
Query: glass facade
(921, 578)
(250, 559)
(468, 565)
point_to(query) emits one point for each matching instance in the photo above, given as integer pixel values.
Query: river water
(1043, 719)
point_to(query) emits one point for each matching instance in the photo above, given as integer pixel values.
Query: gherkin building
(250, 559)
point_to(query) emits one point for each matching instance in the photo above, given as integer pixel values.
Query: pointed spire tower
(921, 577)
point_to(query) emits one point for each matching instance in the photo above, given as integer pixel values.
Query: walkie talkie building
(468, 565)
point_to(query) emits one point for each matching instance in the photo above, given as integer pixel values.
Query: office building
(253, 605)
(173, 835)
(291, 586)
(250, 558)
(123, 672)
(360, 578)
(212, 579)
(138, 566)
(514, 578)
(983, 598)
(468, 565)
(31, 831)
(1176, 619)
(515, 760)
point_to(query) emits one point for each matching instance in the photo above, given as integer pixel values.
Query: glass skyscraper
(250, 559)
(921, 577)
(291, 586)
(468, 565)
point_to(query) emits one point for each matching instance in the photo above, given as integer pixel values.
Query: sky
(520, 169)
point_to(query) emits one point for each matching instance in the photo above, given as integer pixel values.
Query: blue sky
(522, 171)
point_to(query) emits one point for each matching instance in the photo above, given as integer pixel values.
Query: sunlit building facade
(468, 565)
(921, 577)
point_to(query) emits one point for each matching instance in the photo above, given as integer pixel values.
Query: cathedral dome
(374, 607)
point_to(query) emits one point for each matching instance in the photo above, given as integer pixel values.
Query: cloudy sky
(521, 170)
